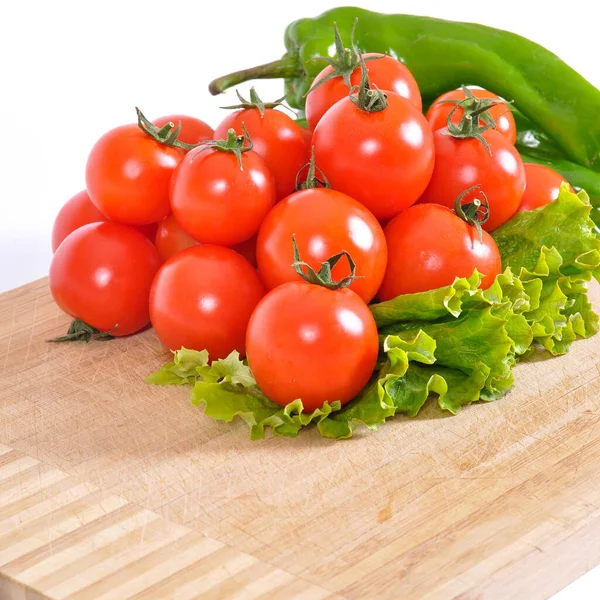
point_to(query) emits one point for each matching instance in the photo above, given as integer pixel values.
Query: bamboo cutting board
(113, 489)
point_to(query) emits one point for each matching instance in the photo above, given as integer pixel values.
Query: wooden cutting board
(113, 489)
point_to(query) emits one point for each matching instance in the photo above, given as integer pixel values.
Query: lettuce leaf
(458, 342)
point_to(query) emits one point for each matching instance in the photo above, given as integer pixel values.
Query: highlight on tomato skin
(102, 273)
(202, 298)
(542, 186)
(306, 341)
(429, 246)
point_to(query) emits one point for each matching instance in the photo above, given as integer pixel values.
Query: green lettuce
(459, 343)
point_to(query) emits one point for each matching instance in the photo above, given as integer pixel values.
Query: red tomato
(386, 73)
(429, 246)
(438, 112)
(202, 298)
(463, 163)
(218, 202)
(542, 187)
(128, 173)
(76, 213)
(325, 223)
(102, 274)
(193, 131)
(382, 159)
(276, 139)
(247, 249)
(305, 341)
(307, 135)
(148, 230)
(171, 238)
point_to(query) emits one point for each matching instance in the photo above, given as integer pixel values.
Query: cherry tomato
(542, 187)
(463, 163)
(276, 139)
(307, 135)
(382, 159)
(202, 298)
(128, 173)
(438, 112)
(247, 249)
(305, 341)
(76, 213)
(171, 238)
(325, 222)
(386, 73)
(218, 202)
(148, 230)
(102, 274)
(429, 245)
(193, 131)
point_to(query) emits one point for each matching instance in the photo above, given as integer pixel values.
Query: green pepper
(443, 55)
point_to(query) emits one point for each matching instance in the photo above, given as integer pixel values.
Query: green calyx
(236, 144)
(166, 135)
(345, 61)
(256, 102)
(475, 112)
(367, 99)
(312, 180)
(323, 277)
(80, 331)
(476, 212)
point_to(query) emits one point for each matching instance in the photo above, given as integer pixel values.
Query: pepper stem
(286, 67)
(323, 277)
(311, 181)
(80, 331)
(474, 213)
(236, 144)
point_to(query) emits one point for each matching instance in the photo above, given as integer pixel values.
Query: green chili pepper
(443, 55)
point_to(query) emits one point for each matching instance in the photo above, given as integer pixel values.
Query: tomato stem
(323, 277)
(311, 181)
(367, 99)
(236, 144)
(474, 110)
(474, 213)
(256, 102)
(345, 61)
(166, 135)
(80, 331)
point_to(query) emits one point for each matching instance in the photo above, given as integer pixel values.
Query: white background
(72, 70)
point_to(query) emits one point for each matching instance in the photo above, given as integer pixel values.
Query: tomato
(542, 187)
(128, 173)
(386, 73)
(247, 249)
(463, 163)
(193, 131)
(276, 139)
(382, 159)
(202, 298)
(438, 112)
(429, 245)
(76, 213)
(325, 222)
(171, 238)
(149, 230)
(307, 135)
(102, 273)
(218, 202)
(305, 341)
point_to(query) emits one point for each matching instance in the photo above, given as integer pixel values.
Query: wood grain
(110, 488)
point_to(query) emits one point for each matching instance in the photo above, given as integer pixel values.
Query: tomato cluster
(271, 239)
